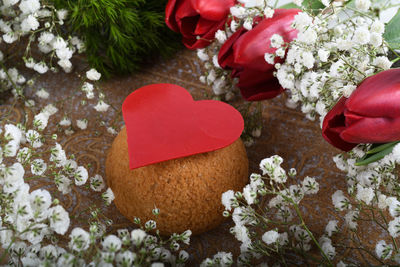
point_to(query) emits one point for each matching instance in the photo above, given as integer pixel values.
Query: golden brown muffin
(186, 190)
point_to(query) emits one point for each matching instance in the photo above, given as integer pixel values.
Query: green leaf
(392, 32)
(314, 5)
(375, 157)
(289, 6)
(382, 147)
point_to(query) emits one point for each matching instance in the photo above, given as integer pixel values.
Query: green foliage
(120, 34)
(377, 152)
(313, 6)
(392, 32)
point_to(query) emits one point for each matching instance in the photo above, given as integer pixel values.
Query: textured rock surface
(187, 190)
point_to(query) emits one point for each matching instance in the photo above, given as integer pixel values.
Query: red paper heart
(163, 122)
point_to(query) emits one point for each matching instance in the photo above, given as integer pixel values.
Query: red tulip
(197, 20)
(244, 53)
(370, 115)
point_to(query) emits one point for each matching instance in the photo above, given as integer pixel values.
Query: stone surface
(285, 132)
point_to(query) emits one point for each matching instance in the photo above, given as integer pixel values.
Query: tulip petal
(203, 26)
(212, 10)
(372, 130)
(250, 48)
(377, 96)
(334, 124)
(225, 55)
(170, 16)
(203, 41)
(258, 85)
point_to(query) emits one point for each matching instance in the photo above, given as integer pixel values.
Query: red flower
(244, 53)
(197, 20)
(370, 115)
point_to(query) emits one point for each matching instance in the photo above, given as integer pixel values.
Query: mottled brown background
(285, 132)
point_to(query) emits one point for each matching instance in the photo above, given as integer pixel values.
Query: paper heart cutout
(163, 122)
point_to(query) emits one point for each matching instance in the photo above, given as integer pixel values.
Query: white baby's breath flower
(111, 130)
(112, 243)
(363, 5)
(378, 27)
(238, 11)
(40, 200)
(248, 24)
(323, 55)
(8, 3)
(137, 236)
(383, 250)
(340, 201)
(41, 67)
(241, 234)
(38, 167)
(79, 239)
(396, 153)
(97, 183)
(30, 63)
(269, 12)
(202, 54)
(394, 207)
(276, 40)
(362, 36)
(351, 219)
(270, 237)
(42, 94)
(108, 196)
(383, 62)
(93, 75)
(328, 249)
(269, 58)
(65, 122)
(46, 37)
(394, 227)
(249, 195)
(81, 175)
(331, 227)
(62, 14)
(365, 194)
(310, 185)
(101, 106)
(227, 198)
(29, 6)
(82, 124)
(59, 220)
(13, 178)
(10, 37)
(29, 23)
(221, 36)
(125, 258)
(376, 39)
(14, 135)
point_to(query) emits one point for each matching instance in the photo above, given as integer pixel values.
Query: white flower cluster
(32, 217)
(331, 55)
(135, 248)
(222, 259)
(29, 220)
(31, 17)
(374, 186)
(243, 14)
(245, 11)
(215, 76)
(280, 206)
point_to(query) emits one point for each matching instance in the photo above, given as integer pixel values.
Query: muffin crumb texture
(186, 190)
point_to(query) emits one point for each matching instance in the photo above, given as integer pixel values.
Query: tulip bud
(370, 115)
(197, 20)
(244, 53)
